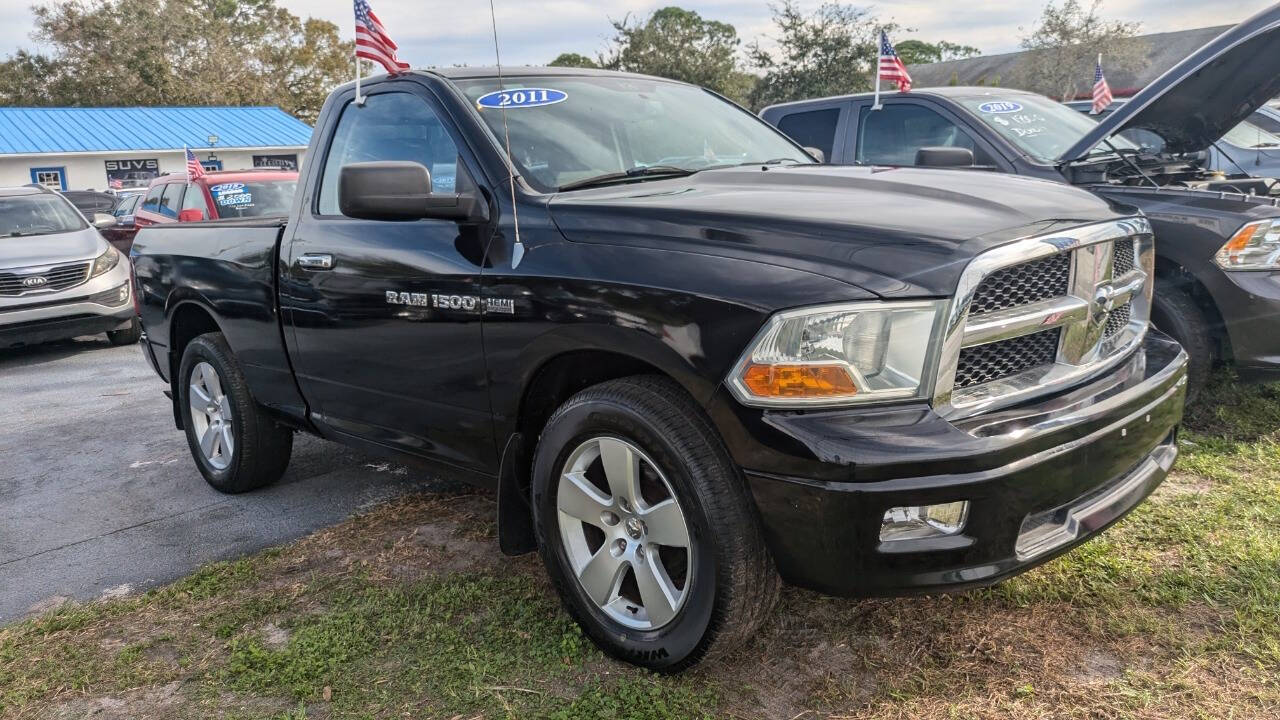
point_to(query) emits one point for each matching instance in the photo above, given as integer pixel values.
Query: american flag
(195, 170)
(115, 184)
(1101, 90)
(372, 41)
(891, 66)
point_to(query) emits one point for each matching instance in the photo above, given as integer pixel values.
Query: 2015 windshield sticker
(995, 108)
(522, 98)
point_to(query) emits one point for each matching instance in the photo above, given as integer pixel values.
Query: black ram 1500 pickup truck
(690, 360)
(1218, 238)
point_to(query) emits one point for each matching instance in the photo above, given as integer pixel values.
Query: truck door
(382, 318)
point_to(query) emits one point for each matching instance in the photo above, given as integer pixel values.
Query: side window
(893, 134)
(171, 199)
(390, 126)
(152, 201)
(815, 128)
(194, 200)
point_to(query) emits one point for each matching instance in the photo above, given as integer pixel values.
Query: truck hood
(896, 232)
(36, 250)
(1201, 98)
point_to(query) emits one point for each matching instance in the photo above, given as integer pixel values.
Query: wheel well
(189, 322)
(1181, 278)
(566, 375)
(553, 384)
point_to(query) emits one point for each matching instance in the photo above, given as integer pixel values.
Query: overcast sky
(449, 32)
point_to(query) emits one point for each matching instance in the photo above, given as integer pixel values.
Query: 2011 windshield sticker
(996, 108)
(521, 98)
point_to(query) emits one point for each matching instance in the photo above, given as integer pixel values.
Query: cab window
(171, 200)
(152, 201)
(815, 129)
(893, 135)
(194, 200)
(390, 126)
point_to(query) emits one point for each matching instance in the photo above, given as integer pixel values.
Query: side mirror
(398, 190)
(102, 221)
(817, 154)
(944, 157)
(190, 215)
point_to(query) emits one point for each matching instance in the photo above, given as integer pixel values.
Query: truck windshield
(26, 215)
(253, 199)
(1038, 126)
(566, 130)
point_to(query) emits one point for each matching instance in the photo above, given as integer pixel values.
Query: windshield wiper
(632, 174)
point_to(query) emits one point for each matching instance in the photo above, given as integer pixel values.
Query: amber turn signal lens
(1241, 239)
(799, 381)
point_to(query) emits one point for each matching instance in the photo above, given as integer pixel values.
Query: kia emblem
(35, 281)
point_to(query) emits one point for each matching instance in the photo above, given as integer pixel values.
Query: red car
(219, 195)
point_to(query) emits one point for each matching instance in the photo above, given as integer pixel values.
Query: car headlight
(1256, 246)
(839, 355)
(105, 262)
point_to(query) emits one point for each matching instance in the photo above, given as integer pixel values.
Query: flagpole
(877, 105)
(359, 100)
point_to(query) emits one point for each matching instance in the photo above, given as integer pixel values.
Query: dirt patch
(274, 637)
(1098, 666)
(164, 701)
(1179, 484)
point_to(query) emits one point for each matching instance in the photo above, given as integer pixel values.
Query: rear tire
(1175, 313)
(129, 336)
(236, 444)
(715, 581)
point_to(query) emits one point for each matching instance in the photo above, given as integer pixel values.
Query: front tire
(645, 526)
(236, 444)
(1175, 313)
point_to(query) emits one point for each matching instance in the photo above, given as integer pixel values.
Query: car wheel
(129, 336)
(645, 526)
(236, 444)
(1175, 313)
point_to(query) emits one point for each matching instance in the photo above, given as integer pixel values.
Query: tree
(177, 52)
(573, 60)
(832, 51)
(679, 44)
(1065, 44)
(919, 52)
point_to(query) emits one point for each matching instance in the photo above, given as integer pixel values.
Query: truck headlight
(1256, 246)
(838, 355)
(105, 262)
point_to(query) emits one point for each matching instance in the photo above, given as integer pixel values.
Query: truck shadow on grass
(411, 610)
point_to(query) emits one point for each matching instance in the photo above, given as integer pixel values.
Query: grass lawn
(411, 611)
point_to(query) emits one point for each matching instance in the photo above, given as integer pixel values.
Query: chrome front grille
(1023, 284)
(1044, 312)
(994, 361)
(50, 278)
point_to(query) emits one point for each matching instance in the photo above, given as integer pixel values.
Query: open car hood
(1201, 98)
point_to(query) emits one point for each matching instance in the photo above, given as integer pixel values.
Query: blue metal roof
(64, 130)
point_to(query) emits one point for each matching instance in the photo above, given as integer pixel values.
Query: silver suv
(59, 278)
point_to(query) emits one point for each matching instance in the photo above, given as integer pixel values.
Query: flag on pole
(1101, 90)
(195, 170)
(891, 68)
(372, 41)
(115, 184)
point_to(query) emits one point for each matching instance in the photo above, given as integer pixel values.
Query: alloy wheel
(625, 534)
(211, 416)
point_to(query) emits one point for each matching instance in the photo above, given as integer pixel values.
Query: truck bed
(228, 270)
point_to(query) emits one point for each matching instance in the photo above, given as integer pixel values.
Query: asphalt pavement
(99, 495)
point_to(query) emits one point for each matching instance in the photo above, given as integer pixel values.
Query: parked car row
(1217, 264)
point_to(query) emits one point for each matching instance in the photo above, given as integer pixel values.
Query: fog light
(113, 297)
(923, 521)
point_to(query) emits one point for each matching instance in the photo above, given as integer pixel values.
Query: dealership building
(124, 147)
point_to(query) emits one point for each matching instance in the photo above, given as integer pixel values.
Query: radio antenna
(517, 250)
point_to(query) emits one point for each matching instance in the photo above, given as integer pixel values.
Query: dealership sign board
(132, 173)
(288, 162)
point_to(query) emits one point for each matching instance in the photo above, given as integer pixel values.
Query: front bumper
(1250, 305)
(81, 310)
(1040, 478)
